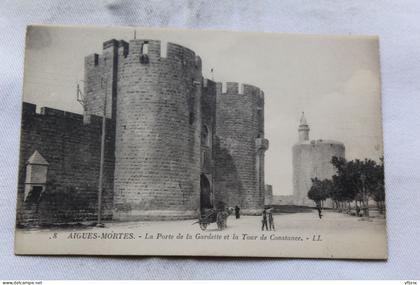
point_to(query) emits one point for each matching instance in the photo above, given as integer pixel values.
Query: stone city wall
(72, 150)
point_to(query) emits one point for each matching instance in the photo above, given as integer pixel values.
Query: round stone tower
(312, 159)
(240, 146)
(158, 125)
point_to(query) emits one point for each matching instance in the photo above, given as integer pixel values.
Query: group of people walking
(267, 218)
(267, 214)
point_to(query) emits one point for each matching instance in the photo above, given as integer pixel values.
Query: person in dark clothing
(357, 210)
(237, 212)
(318, 207)
(264, 220)
(270, 219)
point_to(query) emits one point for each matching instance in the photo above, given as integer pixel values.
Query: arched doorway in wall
(205, 193)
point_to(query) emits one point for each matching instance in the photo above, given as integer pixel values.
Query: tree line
(355, 181)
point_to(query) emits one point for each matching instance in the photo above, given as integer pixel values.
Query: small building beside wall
(36, 177)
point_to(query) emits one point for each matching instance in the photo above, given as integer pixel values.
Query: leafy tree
(343, 182)
(377, 190)
(357, 178)
(320, 190)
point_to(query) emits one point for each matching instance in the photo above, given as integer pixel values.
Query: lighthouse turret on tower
(312, 159)
(303, 129)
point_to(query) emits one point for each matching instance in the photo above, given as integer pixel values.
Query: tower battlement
(236, 88)
(29, 109)
(153, 50)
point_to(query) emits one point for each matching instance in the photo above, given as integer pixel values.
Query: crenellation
(232, 87)
(198, 62)
(184, 55)
(51, 112)
(251, 90)
(219, 88)
(235, 88)
(113, 43)
(92, 59)
(123, 49)
(28, 108)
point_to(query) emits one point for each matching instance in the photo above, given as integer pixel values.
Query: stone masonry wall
(208, 121)
(158, 127)
(310, 160)
(238, 125)
(101, 79)
(72, 150)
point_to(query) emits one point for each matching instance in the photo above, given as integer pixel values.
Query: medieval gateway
(175, 142)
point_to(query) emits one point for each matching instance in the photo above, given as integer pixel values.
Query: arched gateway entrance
(205, 194)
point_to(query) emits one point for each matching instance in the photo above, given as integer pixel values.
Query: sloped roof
(37, 158)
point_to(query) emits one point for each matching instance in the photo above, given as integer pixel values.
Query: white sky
(334, 80)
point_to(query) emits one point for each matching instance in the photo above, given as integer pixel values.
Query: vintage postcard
(200, 143)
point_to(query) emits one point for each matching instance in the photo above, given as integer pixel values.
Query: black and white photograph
(139, 141)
